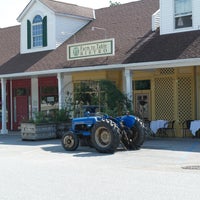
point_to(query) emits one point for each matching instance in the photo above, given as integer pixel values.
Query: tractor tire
(105, 136)
(70, 141)
(136, 136)
(142, 132)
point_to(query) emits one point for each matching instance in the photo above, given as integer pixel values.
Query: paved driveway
(42, 170)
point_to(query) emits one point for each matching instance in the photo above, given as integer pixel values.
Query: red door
(21, 110)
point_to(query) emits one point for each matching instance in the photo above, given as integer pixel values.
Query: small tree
(103, 94)
(114, 3)
(115, 102)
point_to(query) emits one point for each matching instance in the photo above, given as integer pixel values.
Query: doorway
(142, 105)
(21, 102)
(20, 110)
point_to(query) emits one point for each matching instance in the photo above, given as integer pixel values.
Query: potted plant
(63, 122)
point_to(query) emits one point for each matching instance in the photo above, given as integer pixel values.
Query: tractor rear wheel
(135, 136)
(70, 141)
(105, 136)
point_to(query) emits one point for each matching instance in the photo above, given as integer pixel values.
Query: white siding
(167, 17)
(59, 28)
(196, 14)
(67, 27)
(38, 8)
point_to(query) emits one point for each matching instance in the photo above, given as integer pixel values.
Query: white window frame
(39, 35)
(183, 15)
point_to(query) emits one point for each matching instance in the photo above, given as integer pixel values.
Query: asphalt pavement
(163, 169)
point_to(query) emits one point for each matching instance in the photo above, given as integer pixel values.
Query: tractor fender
(128, 120)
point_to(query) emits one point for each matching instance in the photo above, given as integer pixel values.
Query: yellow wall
(177, 77)
(112, 75)
(180, 84)
(92, 75)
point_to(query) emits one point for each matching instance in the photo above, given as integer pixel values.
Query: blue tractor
(105, 133)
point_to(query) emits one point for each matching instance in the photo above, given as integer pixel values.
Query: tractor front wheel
(105, 136)
(70, 141)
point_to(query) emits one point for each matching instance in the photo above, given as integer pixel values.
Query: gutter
(163, 64)
(130, 66)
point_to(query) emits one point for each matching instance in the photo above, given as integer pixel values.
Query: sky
(11, 9)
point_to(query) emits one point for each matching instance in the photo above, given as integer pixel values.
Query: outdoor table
(194, 126)
(155, 125)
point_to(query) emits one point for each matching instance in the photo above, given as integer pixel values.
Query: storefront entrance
(142, 104)
(21, 102)
(21, 110)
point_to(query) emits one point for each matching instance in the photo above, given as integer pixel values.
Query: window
(21, 92)
(142, 85)
(37, 31)
(48, 98)
(183, 13)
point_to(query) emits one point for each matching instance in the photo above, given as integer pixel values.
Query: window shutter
(28, 34)
(44, 23)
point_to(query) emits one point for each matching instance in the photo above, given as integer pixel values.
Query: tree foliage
(104, 94)
(114, 3)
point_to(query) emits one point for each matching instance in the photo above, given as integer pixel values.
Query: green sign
(92, 49)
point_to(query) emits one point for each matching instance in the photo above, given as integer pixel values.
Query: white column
(4, 129)
(34, 97)
(11, 105)
(61, 95)
(128, 89)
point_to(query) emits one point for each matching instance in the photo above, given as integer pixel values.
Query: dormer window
(183, 13)
(37, 31)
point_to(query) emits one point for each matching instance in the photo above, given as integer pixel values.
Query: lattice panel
(184, 98)
(167, 71)
(164, 98)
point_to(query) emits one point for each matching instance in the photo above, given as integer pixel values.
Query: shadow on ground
(54, 145)
(15, 139)
(81, 151)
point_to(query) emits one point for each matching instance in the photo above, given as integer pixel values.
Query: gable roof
(69, 9)
(61, 8)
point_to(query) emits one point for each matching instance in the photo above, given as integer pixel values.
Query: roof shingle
(70, 9)
(129, 24)
(168, 47)
(9, 43)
